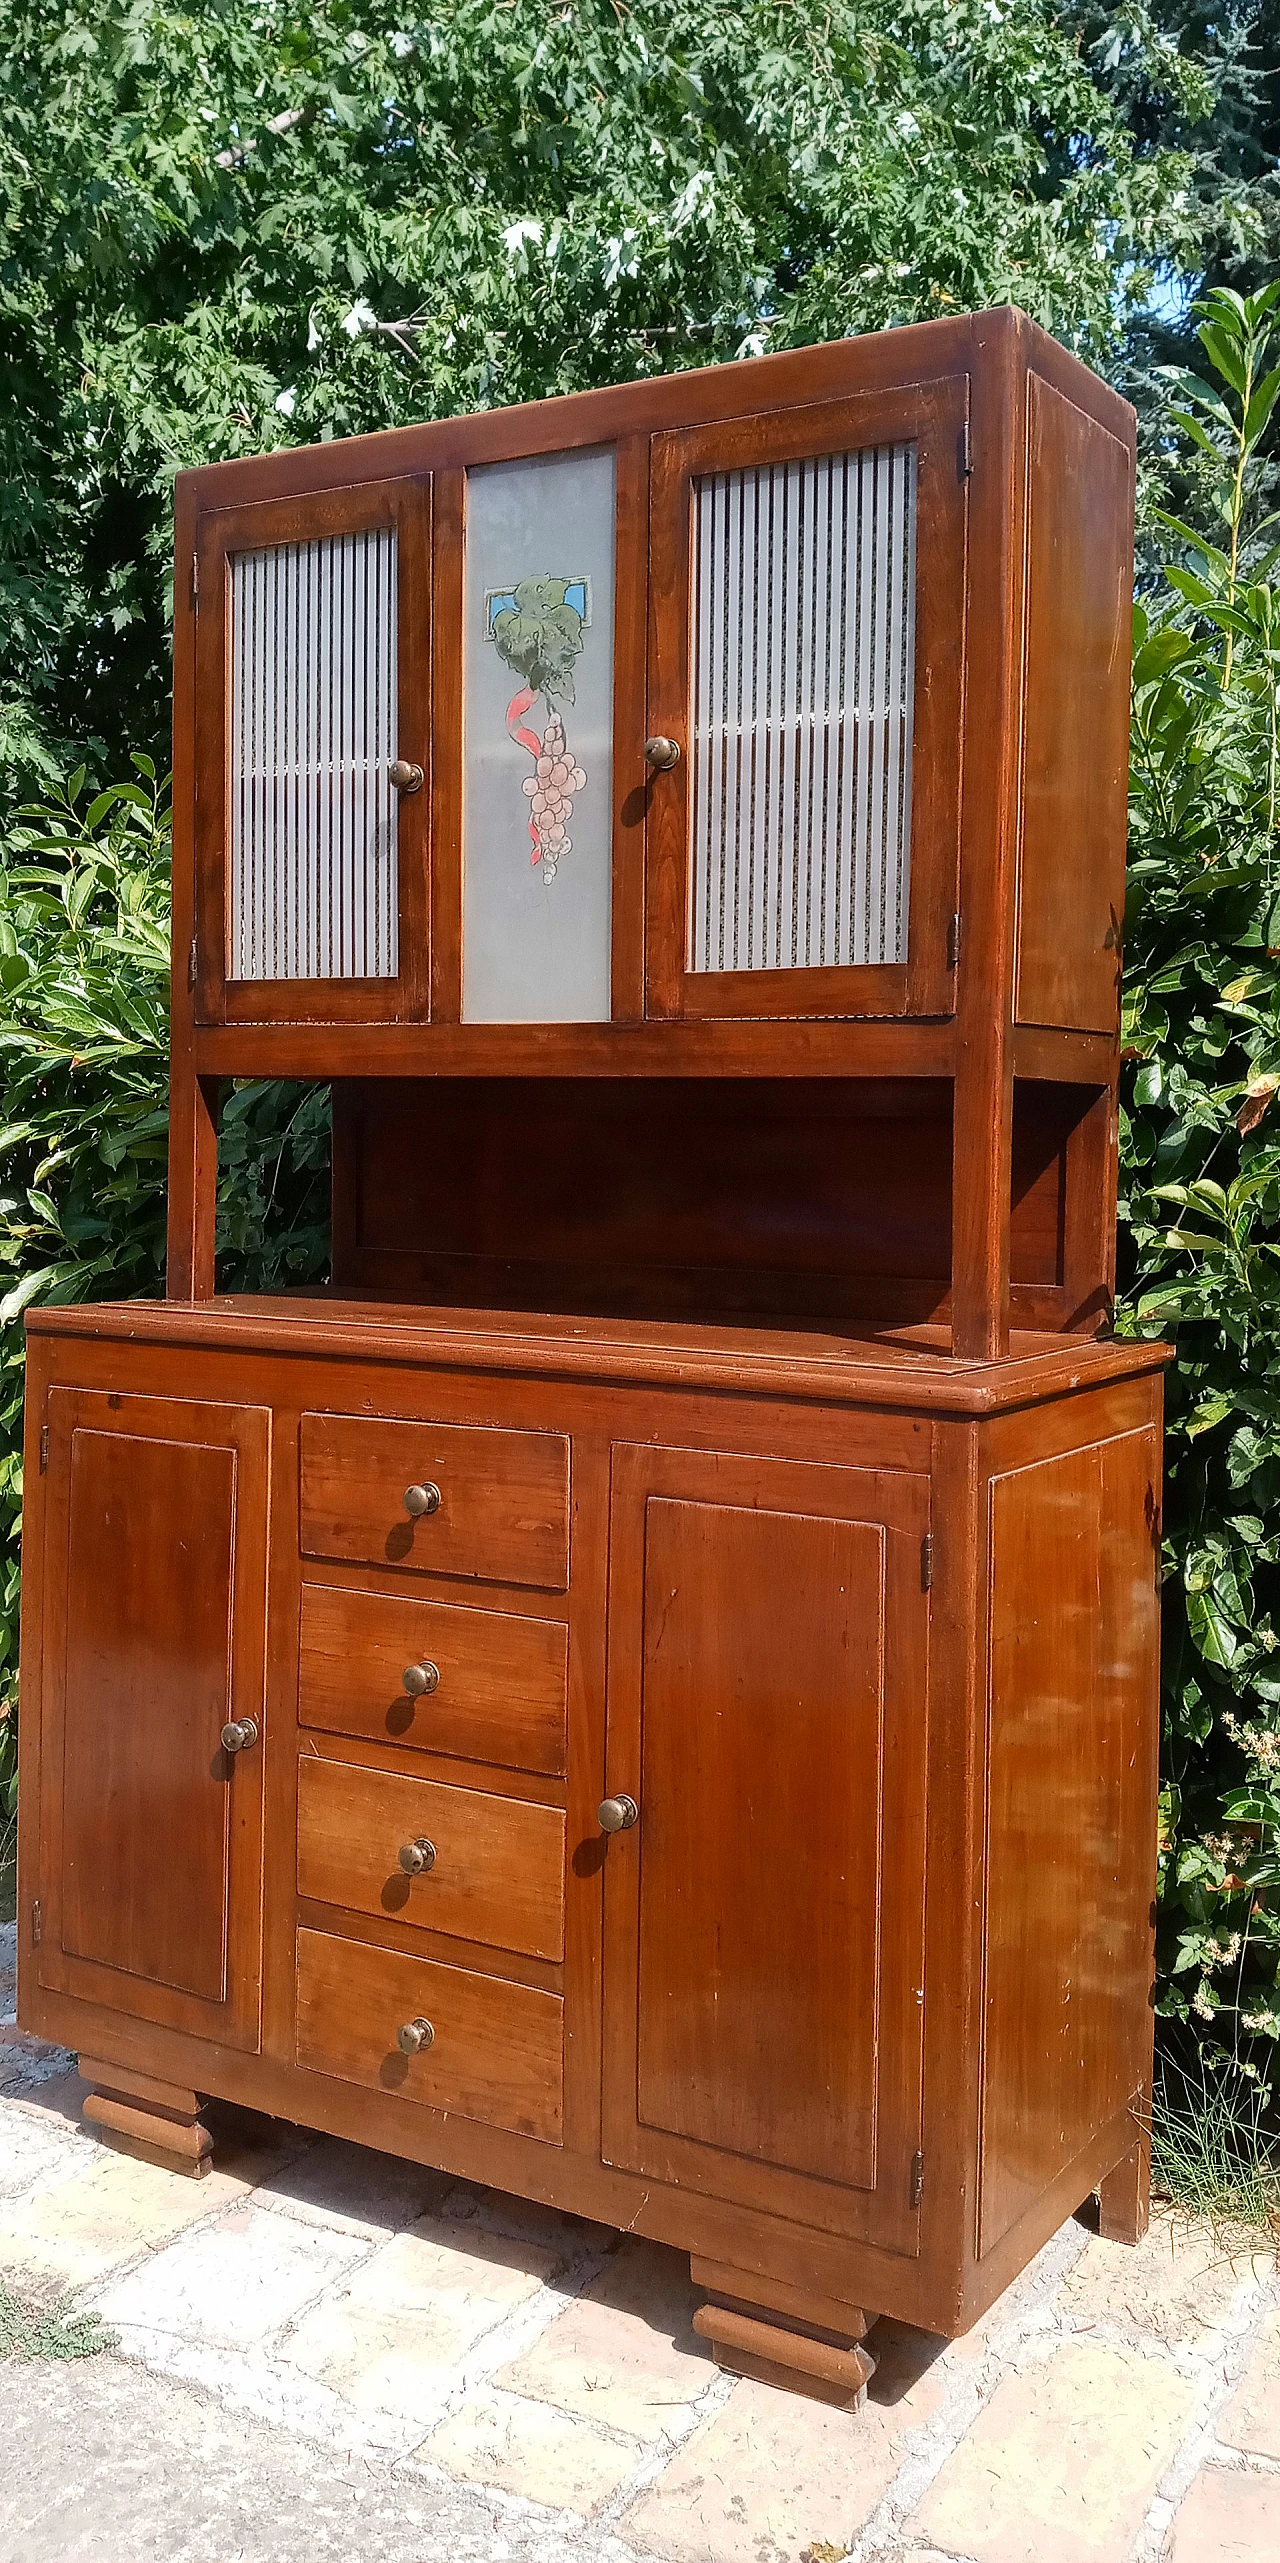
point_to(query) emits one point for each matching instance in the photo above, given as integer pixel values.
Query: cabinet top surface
(919, 352)
(835, 1364)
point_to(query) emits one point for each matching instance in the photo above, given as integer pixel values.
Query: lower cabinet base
(761, 2328)
(799, 2325)
(154, 2121)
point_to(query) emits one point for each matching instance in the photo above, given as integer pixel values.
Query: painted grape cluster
(551, 788)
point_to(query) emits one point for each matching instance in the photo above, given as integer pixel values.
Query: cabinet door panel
(152, 1832)
(764, 1919)
(313, 636)
(760, 1868)
(806, 653)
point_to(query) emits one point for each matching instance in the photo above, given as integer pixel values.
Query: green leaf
(1222, 345)
(1210, 1631)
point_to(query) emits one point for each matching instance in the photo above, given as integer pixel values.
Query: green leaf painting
(541, 636)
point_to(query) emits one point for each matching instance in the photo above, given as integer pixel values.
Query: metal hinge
(917, 2179)
(953, 942)
(193, 961)
(44, 1448)
(195, 582)
(35, 1926)
(926, 1562)
(964, 454)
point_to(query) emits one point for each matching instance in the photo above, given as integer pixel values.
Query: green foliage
(84, 1057)
(1201, 1198)
(45, 2331)
(230, 228)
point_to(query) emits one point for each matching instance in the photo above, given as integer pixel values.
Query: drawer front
(504, 1498)
(498, 2050)
(500, 1692)
(498, 1870)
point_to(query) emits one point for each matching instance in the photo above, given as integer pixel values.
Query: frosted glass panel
(313, 731)
(538, 740)
(803, 680)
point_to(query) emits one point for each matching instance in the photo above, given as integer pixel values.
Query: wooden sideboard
(644, 1690)
(855, 2012)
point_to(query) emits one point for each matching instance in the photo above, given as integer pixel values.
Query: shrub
(1200, 1206)
(84, 1055)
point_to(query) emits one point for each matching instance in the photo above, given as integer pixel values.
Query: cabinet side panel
(1073, 1711)
(1076, 724)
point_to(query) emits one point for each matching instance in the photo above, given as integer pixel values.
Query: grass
(45, 2331)
(1215, 2139)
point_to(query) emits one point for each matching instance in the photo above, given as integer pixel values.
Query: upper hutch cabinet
(718, 699)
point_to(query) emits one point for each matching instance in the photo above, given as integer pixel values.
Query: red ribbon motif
(516, 710)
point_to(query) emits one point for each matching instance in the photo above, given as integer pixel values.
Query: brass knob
(414, 1857)
(661, 753)
(418, 1678)
(617, 1815)
(405, 777)
(421, 1499)
(238, 1733)
(415, 2035)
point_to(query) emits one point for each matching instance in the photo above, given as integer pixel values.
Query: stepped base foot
(784, 2336)
(156, 2122)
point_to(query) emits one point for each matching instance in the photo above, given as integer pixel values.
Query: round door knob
(414, 1857)
(404, 776)
(661, 753)
(421, 1499)
(418, 1678)
(415, 2035)
(617, 1815)
(238, 1733)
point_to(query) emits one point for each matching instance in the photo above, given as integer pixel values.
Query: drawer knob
(661, 754)
(414, 1857)
(415, 2035)
(404, 776)
(617, 1815)
(238, 1734)
(421, 1499)
(418, 1678)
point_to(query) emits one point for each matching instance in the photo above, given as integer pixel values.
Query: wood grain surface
(501, 1695)
(504, 1498)
(498, 1872)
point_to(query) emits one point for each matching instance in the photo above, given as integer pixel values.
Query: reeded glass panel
(538, 740)
(313, 731)
(803, 676)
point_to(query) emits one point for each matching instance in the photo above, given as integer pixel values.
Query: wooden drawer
(498, 1873)
(498, 2050)
(504, 1498)
(502, 1682)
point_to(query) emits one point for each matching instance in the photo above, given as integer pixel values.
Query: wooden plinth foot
(154, 2121)
(784, 2336)
(1124, 2197)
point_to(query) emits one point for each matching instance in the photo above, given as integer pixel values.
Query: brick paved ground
(524, 2384)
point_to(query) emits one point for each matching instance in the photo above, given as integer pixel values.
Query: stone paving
(542, 2376)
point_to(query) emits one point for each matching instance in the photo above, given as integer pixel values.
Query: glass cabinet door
(312, 642)
(806, 624)
(537, 769)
